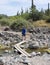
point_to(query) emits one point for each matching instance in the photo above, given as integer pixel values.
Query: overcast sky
(10, 7)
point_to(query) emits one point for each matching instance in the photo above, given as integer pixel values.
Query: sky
(10, 7)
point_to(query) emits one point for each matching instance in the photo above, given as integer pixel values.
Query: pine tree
(47, 12)
(18, 13)
(48, 9)
(21, 11)
(32, 5)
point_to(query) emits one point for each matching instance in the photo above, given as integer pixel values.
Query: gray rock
(34, 45)
(38, 53)
(6, 38)
(33, 54)
(1, 62)
(41, 36)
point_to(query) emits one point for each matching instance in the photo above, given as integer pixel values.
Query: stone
(1, 62)
(7, 38)
(34, 45)
(38, 53)
(33, 54)
(6, 51)
(6, 29)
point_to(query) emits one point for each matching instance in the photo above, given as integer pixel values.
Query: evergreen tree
(47, 12)
(22, 11)
(33, 12)
(26, 11)
(18, 13)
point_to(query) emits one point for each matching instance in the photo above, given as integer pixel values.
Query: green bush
(3, 16)
(4, 22)
(19, 23)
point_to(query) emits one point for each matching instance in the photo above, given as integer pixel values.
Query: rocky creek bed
(6, 38)
(17, 60)
(40, 37)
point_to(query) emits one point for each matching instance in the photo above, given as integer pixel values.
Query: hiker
(23, 33)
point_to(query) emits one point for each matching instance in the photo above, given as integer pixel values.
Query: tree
(33, 12)
(21, 11)
(18, 13)
(41, 14)
(33, 8)
(26, 11)
(47, 12)
(48, 9)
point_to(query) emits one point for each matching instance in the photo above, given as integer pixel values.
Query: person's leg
(23, 37)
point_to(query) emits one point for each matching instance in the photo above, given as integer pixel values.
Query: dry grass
(4, 47)
(44, 49)
(41, 23)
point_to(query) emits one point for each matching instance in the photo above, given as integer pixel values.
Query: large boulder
(34, 45)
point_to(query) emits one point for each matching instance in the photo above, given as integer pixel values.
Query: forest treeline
(25, 18)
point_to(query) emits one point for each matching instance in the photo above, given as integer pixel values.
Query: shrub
(19, 23)
(4, 22)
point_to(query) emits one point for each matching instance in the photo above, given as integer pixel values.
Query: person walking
(23, 33)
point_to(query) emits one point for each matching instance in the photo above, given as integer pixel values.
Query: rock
(41, 38)
(38, 53)
(6, 29)
(7, 38)
(33, 54)
(1, 62)
(1, 35)
(6, 51)
(30, 30)
(34, 45)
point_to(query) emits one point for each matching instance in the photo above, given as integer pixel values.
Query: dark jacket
(23, 31)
